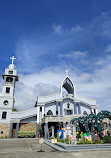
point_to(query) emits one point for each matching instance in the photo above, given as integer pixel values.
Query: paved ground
(30, 148)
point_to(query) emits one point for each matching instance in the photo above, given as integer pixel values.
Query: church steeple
(68, 85)
(10, 77)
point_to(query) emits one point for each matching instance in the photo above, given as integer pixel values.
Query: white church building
(49, 112)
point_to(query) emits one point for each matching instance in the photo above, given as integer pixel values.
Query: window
(4, 114)
(7, 89)
(10, 72)
(85, 113)
(5, 102)
(49, 112)
(1, 132)
(56, 112)
(9, 79)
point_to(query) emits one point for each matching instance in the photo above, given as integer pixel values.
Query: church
(49, 112)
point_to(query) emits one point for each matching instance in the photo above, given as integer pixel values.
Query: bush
(51, 138)
(26, 134)
(63, 141)
(89, 142)
(15, 110)
(107, 139)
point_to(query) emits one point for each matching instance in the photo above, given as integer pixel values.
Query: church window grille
(7, 89)
(10, 72)
(5, 102)
(4, 115)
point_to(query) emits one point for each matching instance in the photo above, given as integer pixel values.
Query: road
(29, 149)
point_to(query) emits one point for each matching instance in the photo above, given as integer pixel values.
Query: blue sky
(48, 36)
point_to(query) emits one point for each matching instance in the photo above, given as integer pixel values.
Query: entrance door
(69, 112)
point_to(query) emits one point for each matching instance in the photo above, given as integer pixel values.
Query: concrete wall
(85, 108)
(27, 127)
(5, 128)
(29, 120)
(52, 107)
(71, 106)
(7, 120)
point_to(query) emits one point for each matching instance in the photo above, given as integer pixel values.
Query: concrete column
(74, 134)
(79, 108)
(10, 132)
(46, 130)
(52, 131)
(75, 108)
(56, 106)
(43, 111)
(61, 109)
(37, 130)
(17, 129)
(93, 111)
(96, 111)
(38, 114)
(64, 125)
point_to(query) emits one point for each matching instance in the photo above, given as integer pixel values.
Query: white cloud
(58, 29)
(76, 29)
(96, 85)
(73, 54)
(104, 60)
(108, 48)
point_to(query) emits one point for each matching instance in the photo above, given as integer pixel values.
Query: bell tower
(7, 99)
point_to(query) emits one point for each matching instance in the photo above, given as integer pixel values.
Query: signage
(53, 141)
(41, 141)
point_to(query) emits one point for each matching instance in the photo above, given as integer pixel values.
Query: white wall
(52, 107)
(71, 106)
(85, 108)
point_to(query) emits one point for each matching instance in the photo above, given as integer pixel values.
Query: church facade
(49, 113)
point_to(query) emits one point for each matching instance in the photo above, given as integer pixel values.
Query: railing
(55, 118)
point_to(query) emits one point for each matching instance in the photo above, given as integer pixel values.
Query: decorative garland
(91, 122)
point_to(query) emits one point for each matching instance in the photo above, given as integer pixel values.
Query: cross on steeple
(12, 58)
(67, 72)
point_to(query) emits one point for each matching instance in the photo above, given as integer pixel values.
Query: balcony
(60, 118)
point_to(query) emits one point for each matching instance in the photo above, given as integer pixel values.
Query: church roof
(57, 97)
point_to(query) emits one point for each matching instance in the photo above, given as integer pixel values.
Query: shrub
(63, 141)
(51, 138)
(26, 134)
(60, 140)
(15, 110)
(89, 142)
(107, 139)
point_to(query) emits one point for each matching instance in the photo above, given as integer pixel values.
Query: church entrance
(68, 112)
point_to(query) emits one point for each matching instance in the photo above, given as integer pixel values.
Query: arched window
(49, 112)
(85, 113)
(5, 102)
